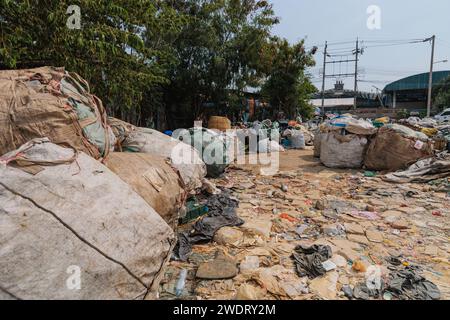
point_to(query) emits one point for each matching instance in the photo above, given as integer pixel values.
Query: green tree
(109, 49)
(442, 95)
(218, 54)
(288, 87)
(147, 59)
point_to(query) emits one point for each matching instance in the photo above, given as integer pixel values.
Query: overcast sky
(345, 20)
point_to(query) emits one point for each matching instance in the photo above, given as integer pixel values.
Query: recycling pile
(342, 142)
(184, 158)
(50, 102)
(63, 211)
(131, 210)
(68, 202)
(311, 232)
(440, 134)
(346, 142)
(396, 147)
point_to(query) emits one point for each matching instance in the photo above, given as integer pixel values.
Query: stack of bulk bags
(183, 157)
(49, 102)
(72, 229)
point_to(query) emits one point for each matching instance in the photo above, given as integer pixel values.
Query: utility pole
(430, 80)
(356, 73)
(323, 76)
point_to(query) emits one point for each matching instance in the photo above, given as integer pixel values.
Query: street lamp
(442, 61)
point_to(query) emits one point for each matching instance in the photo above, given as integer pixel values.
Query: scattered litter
(365, 215)
(328, 265)
(406, 283)
(309, 260)
(181, 283)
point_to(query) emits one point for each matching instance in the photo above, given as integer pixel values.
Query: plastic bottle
(181, 282)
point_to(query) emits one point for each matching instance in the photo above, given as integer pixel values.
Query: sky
(387, 56)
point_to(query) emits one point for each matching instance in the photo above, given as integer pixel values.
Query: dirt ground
(375, 230)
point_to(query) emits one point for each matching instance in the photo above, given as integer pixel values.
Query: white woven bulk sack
(342, 151)
(183, 157)
(71, 229)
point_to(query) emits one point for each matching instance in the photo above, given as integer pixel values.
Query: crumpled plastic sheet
(308, 260)
(405, 283)
(222, 213)
(423, 171)
(363, 292)
(409, 284)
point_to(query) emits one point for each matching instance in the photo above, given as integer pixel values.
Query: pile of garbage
(346, 142)
(81, 192)
(182, 156)
(439, 133)
(311, 232)
(395, 147)
(127, 207)
(50, 102)
(293, 135)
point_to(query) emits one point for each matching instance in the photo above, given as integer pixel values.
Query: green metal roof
(417, 82)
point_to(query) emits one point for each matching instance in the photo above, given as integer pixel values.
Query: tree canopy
(442, 95)
(149, 60)
(288, 86)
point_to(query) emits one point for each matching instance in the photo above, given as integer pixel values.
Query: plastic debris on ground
(221, 213)
(361, 218)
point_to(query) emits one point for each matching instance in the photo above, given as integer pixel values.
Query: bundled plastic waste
(183, 157)
(352, 125)
(216, 149)
(342, 151)
(395, 147)
(153, 179)
(50, 102)
(62, 212)
(343, 141)
(307, 134)
(421, 123)
(296, 138)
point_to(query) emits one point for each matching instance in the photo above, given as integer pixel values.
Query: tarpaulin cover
(425, 170)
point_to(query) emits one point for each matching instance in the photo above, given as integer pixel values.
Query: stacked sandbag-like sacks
(153, 179)
(184, 158)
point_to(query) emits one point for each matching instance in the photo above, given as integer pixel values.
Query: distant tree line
(155, 62)
(442, 95)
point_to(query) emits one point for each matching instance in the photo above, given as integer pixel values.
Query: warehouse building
(411, 93)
